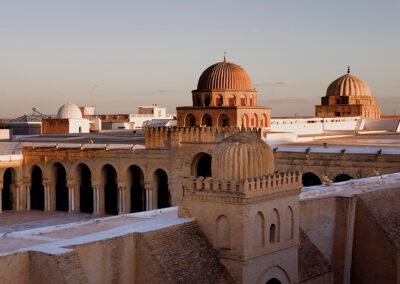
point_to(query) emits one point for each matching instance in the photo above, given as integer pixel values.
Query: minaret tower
(248, 212)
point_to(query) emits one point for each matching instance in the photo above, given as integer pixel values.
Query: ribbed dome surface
(348, 85)
(69, 111)
(241, 156)
(224, 76)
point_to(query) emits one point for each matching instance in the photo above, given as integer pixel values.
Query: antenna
(225, 56)
(348, 69)
(93, 91)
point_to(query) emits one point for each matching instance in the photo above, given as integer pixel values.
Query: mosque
(229, 195)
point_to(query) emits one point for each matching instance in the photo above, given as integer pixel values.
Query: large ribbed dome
(242, 155)
(224, 76)
(348, 85)
(69, 111)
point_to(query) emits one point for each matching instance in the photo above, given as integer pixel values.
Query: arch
(223, 232)
(207, 100)
(274, 228)
(223, 120)
(37, 189)
(243, 100)
(85, 188)
(7, 198)
(245, 120)
(289, 223)
(251, 100)
(161, 184)
(219, 100)
(80, 129)
(259, 230)
(201, 165)
(255, 124)
(59, 175)
(137, 189)
(342, 177)
(310, 179)
(265, 120)
(206, 120)
(273, 281)
(110, 189)
(274, 273)
(190, 120)
(232, 100)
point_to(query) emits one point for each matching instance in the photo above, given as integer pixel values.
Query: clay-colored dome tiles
(241, 156)
(348, 85)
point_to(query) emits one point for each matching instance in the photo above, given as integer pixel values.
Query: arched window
(274, 227)
(137, 189)
(342, 177)
(207, 100)
(223, 120)
(85, 189)
(80, 129)
(310, 179)
(223, 233)
(190, 120)
(219, 100)
(201, 165)
(37, 189)
(232, 100)
(256, 120)
(259, 230)
(60, 187)
(110, 189)
(7, 197)
(245, 120)
(243, 100)
(265, 120)
(272, 233)
(289, 223)
(206, 120)
(161, 184)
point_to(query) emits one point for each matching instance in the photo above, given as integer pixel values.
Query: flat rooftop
(54, 232)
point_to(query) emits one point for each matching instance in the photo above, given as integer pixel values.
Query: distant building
(69, 120)
(348, 96)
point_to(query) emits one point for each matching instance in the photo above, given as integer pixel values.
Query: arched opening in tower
(273, 281)
(60, 178)
(161, 183)
(223, 120)
(85, 189)
(37, 189)
(310, 179)
(342, 177)
(7, 197)
(190, 120)
(201, 166)
(206, 120)
(138, 191)
(110, 190)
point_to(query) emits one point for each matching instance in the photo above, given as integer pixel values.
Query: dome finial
(225, 56)
(348, 69)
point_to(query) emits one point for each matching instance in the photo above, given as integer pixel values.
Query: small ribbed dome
(68, 111)
(242, 155)
(225, 76)
(348, 85)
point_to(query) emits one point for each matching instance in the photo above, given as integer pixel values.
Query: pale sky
(144, 52)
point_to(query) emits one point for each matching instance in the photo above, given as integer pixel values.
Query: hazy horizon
(139, 53)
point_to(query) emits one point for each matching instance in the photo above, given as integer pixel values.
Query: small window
(272, 233)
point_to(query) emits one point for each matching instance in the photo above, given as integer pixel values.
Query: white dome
(68, 111)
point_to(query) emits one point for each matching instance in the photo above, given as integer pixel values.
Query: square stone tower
(248, 212)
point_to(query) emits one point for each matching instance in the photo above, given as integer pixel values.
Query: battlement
(237, 190)
(166, 137)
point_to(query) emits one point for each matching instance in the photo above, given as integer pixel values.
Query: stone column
(121, 198)
(71, 196)
(16, 201)
(1, 197)
(98, 199)
(149, 202)
(28, 197)
(47, 196)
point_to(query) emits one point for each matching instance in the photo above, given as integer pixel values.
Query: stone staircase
(185, 255)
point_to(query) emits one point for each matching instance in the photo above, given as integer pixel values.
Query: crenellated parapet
(243, 190)
(166, 137)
